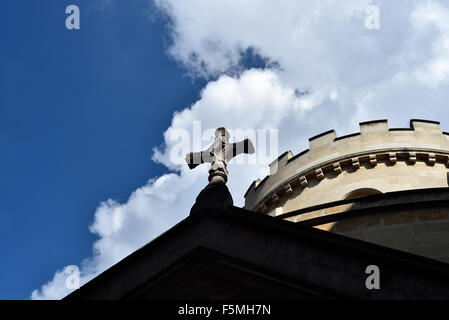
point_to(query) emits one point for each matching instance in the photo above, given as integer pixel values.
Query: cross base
(218, 172)
(213, 196)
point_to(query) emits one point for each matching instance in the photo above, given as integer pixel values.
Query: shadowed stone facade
(236, 254)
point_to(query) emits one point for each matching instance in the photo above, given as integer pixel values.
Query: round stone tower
(387, 186)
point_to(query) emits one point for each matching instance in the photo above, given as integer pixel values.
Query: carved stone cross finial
(219, 154)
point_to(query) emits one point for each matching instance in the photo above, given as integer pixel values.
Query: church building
(363, 216)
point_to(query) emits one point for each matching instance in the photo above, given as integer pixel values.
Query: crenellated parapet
(329, 156)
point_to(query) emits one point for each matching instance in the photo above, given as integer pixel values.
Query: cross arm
(194, 159)
(234, 149)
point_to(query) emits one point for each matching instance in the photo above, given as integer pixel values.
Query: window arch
(362, 192)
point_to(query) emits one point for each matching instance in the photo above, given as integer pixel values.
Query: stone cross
(219, 154)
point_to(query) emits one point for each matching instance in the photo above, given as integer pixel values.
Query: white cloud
(352, 74)
(123, 228)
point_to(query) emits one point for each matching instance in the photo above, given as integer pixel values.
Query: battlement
(327, 153)
(322, 139)
(280, 161)
(425, 125)
(373, 127)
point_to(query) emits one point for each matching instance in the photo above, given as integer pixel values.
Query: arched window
(363, 192)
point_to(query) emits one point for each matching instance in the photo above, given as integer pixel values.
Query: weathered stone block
(432, 215)
(398, 218)
(431, 227)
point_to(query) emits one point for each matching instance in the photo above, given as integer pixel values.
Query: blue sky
(90, 118)
(80, 111)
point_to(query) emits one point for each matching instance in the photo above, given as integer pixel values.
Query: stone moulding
(329, 155)
(337, 167)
